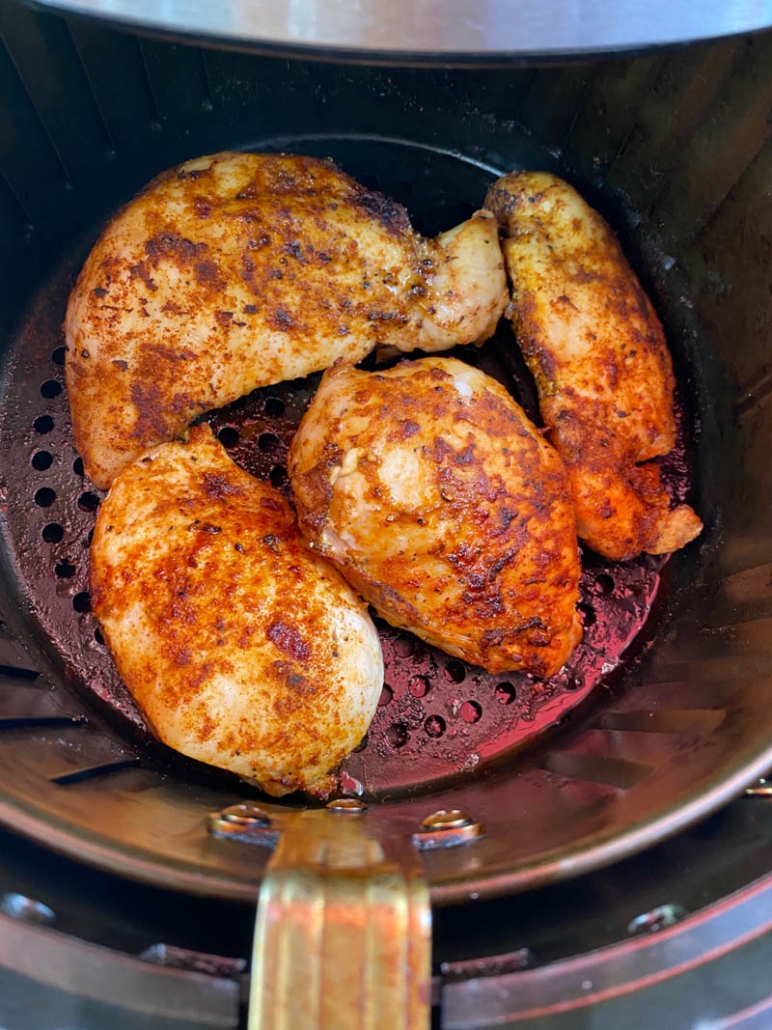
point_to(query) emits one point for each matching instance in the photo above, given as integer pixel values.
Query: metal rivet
(446, 829)
(450, 819)
(243, 822)
(245, 815)
(19, 906)
(658, 919)
(761, 789)
(349, 805)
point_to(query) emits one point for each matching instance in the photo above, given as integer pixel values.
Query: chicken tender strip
(598, 354)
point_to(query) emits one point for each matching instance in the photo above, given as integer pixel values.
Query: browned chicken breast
(238, 270)
(242, 648)
(445, 508)
(602, 368)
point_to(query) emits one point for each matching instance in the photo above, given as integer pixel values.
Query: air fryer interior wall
(673, 149)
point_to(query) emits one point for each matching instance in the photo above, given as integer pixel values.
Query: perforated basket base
(438, 718)
(81, 773)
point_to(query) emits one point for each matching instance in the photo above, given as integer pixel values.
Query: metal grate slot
(46, 60)
(742, 597)
(552, 102)
(15, 673)
(34, 171)
(720, 151)
(93, 772)
(669, 114)
(178, 80)
(115, 69)
(613, 772)
(607, 116)
(673, 720)
(34, 721)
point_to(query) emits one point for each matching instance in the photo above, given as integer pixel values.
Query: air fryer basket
(673, 150)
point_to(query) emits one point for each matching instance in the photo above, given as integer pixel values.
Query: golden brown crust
(240, 270)
(242, 649)
(601, 364)
(445, 508)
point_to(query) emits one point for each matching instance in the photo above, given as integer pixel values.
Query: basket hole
(434, 726)
(361, 745)
(471, 711)
(505, 693)
(41, 460)
(88, 502)
(588, 615)
(53, 533)
(268, 442)
(418, 686)
(65, 569)
(45, 497)
(43, 424)
(455, 672)
(228, 436)
(386, 695)
(50, 389)
(82, 602)
(77, 467)
(99, 638)
(404, 647)
(58, 356)
(278, 476)
(274, 407)
(604, 584)
(397, 734)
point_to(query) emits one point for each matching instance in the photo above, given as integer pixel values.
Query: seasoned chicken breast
(239, 270)
(602, 368)
(242, 648)
(445, 508)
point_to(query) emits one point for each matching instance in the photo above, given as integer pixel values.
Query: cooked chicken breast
(596, 349)
(238, 270)
(242, 648)
(445, 508)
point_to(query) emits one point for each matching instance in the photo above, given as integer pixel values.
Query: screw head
(446, 819)
(761, 789)
(351, 806)
(447, 828)
(25, 909)
(658, 919)
(245, 815)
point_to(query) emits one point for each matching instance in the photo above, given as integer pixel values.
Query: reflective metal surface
(435, 29)
(676, 149)
(343, 933)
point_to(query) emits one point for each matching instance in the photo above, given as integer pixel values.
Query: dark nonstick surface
(673, 732)
(438, 717)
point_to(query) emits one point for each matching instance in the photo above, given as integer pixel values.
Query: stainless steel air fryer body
(673, 148)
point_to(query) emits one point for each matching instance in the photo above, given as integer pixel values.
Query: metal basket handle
(343, 934)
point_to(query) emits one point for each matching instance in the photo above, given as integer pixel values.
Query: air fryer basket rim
(469, 33)
(485, 866)
(563, 865)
